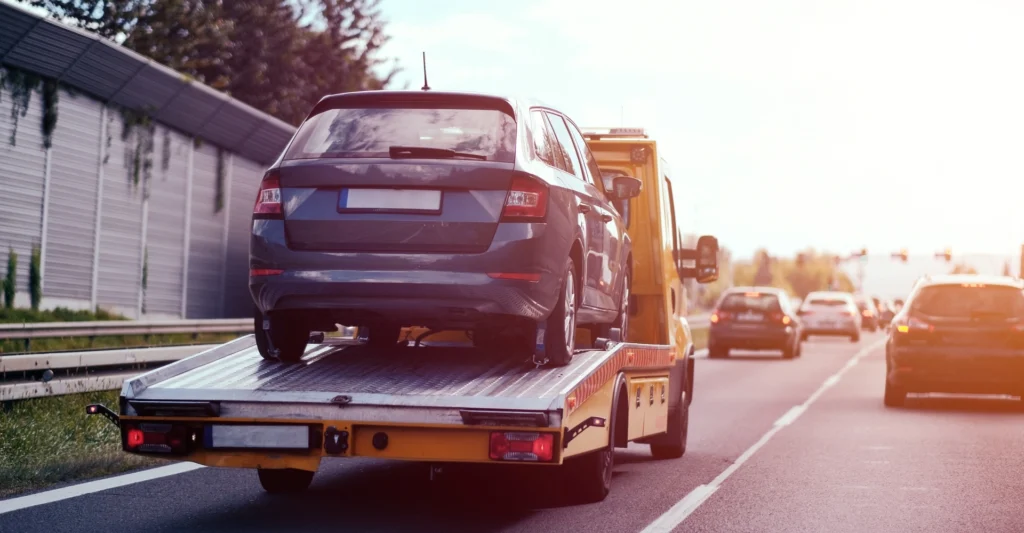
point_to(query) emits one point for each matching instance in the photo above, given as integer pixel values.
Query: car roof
(829, 294)
(514, 101)
(984, 279)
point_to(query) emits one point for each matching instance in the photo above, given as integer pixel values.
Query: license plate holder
(409, 201)
(264, 436)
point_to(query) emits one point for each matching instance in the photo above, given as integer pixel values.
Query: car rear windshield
(969, 301)
(762, 302)
(372, 132)
(827, 302)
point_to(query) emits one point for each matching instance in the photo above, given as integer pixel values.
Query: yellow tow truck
(441, 400)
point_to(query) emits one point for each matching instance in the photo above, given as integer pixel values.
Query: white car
(830, 313)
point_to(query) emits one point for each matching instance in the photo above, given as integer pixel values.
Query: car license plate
(399, 200)
(750, 317)
(262, 436)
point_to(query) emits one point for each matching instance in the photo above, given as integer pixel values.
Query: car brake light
(521, 276)
(268, 199)
(867, 312)
(781, 317)
(527, 199)
(915, 325)
(714, 318)
(522, 446)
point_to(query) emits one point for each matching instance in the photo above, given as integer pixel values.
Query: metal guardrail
(108, 328)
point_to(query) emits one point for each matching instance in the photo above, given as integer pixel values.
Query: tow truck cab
(443, 400)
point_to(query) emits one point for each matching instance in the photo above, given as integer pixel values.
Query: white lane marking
(832, 380)
(56, 495)
(686, 506)
(790, 415)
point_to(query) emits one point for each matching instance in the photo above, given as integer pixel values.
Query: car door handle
(584, 208)
(606, 217)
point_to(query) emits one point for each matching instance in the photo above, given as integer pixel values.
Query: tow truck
(439, 399)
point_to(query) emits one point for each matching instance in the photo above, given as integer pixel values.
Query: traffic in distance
(513, 305)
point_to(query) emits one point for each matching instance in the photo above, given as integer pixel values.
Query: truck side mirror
(626, 187)
(706, 257)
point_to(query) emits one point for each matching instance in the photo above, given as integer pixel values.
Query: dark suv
(959, 333)
(440, 210)
(754, 318)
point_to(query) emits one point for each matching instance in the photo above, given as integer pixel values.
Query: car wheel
(789, 351)
(717, 352)
(560, 337)
(284, 480)
(894, 396)
(288, 336)
(855, 337)
(383, 335)
(622, 320)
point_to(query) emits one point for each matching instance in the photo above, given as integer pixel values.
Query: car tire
(289, 337)
(284, 480)
(789, 351)
(855, 337)
(560, 337)
(622, 319)
(894, 396)
(383, 335)
(716, 351)
(804, 336)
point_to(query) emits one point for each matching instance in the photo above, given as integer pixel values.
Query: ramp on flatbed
(444, 377)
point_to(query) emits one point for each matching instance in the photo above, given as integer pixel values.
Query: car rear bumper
(442, 290)
(957, 370)
(754, 338)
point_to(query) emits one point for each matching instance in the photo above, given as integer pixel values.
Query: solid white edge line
(682, 509)
(790, 415)
(73, 491)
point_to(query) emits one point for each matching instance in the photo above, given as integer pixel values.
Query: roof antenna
(426, 87)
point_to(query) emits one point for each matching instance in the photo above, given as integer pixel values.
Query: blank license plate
(275, 437)
(407, 200)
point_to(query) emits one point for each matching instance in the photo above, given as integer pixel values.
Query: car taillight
(527, 199)
(719, 316)
(867, 312)
(157, 438)
(914, 324)
(781, 317)
(256, 272)
(268, 199)
(522, 446)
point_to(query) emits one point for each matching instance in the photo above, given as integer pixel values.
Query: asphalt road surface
(803, 445)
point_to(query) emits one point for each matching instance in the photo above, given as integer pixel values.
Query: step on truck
(439, 400)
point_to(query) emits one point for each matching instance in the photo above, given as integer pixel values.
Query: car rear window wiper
(400, 152)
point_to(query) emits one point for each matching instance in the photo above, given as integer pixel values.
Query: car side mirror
(706, 257)
(626, 187)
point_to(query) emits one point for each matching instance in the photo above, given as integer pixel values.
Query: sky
(835, 125)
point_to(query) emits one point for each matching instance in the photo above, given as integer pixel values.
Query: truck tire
(672, 445)
(560, 337)
(289, 338)
(588, 478)
(285, 480)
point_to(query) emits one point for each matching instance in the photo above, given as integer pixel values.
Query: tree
(963, 268)
(279, 56)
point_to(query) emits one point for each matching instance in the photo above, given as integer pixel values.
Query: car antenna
(426, 87)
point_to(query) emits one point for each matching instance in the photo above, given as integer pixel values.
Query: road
(801, 445)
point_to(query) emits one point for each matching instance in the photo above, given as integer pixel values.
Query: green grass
(45, 441)
(60, 314)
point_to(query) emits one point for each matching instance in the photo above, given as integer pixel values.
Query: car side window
(572, 160)
(593, 170)
(544, 142)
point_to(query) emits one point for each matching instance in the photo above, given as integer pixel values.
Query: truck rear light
(268, 198)
(527, 199)
(522, 446)
(157, 438)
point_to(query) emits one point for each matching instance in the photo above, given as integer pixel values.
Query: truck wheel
(560, 337)
(674, 444)
(278, 481)
(589, 477)
(289, 338)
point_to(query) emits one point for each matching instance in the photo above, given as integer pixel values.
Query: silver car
(830, 313)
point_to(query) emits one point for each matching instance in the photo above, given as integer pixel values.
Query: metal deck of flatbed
(428, 377)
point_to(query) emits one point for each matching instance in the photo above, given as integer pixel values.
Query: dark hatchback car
(449, 211)
(868, 311)
(754, 318)
(957, 334)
